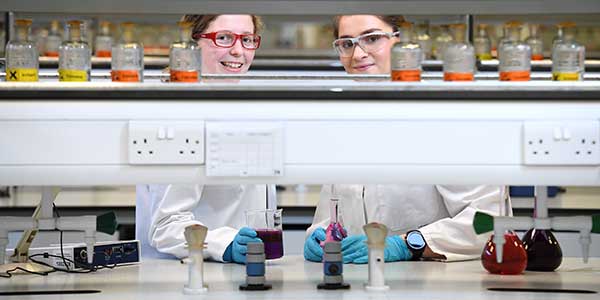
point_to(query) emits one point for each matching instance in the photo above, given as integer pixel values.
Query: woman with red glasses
(425, 221)
(228, 44)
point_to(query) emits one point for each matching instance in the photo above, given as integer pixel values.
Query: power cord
(87, 268)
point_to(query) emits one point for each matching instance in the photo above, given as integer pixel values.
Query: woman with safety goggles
(425, 221)
(228, 44)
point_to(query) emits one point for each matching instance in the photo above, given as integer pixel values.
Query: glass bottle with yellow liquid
(75, 55)
(482, 43)
(568, 56)
(406, 56)
(185, 56)
(127, 61)
(514, 55)
(21, 54)
(459, 56)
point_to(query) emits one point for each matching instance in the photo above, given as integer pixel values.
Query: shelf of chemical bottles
(282, 86)
(159, 62)
(303, 7)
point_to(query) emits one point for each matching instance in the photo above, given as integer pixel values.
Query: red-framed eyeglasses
(226, 39)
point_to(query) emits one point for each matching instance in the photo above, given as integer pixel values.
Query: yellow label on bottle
(72, 75)
(21, 75)
(559, 76)
(484, 56)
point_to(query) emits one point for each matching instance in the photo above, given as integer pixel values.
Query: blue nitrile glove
(312, 245)
(354, 246)
(236, 251)
(395, 250)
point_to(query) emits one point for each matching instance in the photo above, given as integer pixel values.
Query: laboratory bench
(294, 278)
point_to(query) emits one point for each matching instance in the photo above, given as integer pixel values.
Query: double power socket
(561, 143)
(166, 142)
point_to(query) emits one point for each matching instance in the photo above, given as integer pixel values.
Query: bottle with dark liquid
(543, 250)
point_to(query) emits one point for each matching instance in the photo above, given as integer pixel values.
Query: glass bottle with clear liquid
(459, 57)
(406, 56)
(104, 41)
(514, 55)
(22, 54)
(440, 42)
(127, 61)
(482, 43)
(424, 40)
(53, 40)
(535, 42)
(75, 56)
(568, 56)
(185, 56)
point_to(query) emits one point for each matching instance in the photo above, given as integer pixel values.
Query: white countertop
(293, 278)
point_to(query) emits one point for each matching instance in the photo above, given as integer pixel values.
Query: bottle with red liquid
(335, 232)
(514, 257)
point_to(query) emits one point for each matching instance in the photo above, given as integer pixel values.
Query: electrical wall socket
(561, 143)
(166, 142)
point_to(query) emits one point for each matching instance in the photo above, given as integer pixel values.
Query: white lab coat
(444, 214)
(221, 208)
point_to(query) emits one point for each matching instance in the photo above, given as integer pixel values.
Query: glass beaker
(267, 223)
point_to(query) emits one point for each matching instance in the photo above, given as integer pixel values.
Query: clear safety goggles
(368, 42)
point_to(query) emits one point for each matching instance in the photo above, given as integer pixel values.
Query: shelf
(375, 87)
(306, 7)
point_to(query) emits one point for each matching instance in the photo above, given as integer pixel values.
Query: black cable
(62, 252)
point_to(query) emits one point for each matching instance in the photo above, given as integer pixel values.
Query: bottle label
(406, 60)
(563, 76)
(72, 75)
(514, 59)
(21, 75)
(537, 57)
(184, 76)
(125, 75)
(406, 75)
(515, 76)
(51, 53)
(452, 76)
(102, 53)
(566, 62)
(484, 56)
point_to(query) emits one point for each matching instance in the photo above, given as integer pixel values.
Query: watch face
(415, 240)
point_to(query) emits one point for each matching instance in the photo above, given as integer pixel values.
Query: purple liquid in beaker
(273, 241)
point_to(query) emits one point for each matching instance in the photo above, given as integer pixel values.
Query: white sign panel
(244, 149)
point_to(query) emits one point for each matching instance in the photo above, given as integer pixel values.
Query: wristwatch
(416, 243)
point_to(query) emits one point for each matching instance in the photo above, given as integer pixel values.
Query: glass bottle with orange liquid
(104, 40)
(514, 55)
(185, 56)
(406, 56)
(127, 62)
(459, 56)
(535, 42)
(53, 40)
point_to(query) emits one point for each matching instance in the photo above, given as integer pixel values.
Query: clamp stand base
(255, 287)
(335, 286)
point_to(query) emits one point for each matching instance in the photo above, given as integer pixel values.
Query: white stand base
(382, 288)
(190, 291)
